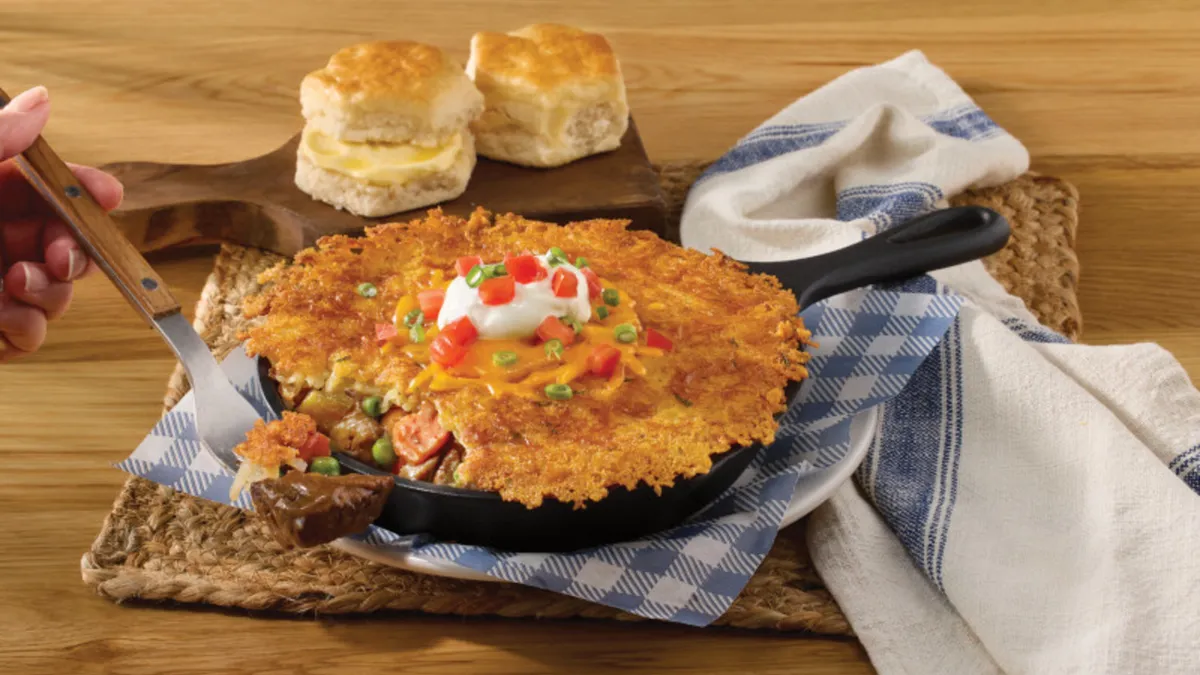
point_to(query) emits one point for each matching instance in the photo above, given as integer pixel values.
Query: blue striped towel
(1028, 505)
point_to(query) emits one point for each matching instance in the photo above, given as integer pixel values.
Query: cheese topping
(534, 369)
(512, 328)
(379, 162)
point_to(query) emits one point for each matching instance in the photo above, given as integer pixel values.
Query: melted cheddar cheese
(534, 368)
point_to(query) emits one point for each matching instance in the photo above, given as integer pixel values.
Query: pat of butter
(388, 163)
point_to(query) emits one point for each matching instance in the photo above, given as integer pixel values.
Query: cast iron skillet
(933, 241)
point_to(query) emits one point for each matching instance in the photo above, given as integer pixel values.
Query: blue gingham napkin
(1027, 505)
(870, 344)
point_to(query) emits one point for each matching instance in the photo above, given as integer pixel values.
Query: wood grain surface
(1104, 93)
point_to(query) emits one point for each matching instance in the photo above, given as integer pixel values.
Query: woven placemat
(161, 545)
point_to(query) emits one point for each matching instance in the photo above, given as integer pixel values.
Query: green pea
(504, 359)
(383, 453)
(559, 392)
(602, 312)
(326, 466)
(367, 289)
(373, 406)
(581, 262)
(414, 317)
(611, 297)
(475, 276)
(554, 348)
(625, 332)
(416, 334)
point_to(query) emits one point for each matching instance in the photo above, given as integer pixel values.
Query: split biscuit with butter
(386, 129)
(553, 94)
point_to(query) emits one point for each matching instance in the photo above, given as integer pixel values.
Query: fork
(223, 416)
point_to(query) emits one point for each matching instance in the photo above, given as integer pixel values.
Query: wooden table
(1104, 94)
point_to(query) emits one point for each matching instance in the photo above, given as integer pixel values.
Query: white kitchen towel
(1028, 505)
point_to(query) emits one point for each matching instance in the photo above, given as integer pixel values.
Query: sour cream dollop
(518, 319)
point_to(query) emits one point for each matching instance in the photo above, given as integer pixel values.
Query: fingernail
(29, 100)
(76, 261)
(35, 279)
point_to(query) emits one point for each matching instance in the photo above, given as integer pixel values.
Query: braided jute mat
(160, 545)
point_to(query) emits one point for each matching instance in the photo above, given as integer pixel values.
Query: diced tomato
(431, 302)
(317, 445)
(415, 436)
(603, 360)
(553, 329)
(658, 340)
(445, 352)
(498, 290)
(564, 283)
(461, 332)
(523, 268)
(465, 263)
(385, 332)
(593, 282)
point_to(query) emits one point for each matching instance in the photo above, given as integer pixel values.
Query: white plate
(811, 491)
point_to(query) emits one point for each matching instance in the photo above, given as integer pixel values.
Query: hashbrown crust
(738, 342)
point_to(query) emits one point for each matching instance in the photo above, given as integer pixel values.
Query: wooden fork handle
(95, 230)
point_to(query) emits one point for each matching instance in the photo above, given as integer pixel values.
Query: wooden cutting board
(256, 203)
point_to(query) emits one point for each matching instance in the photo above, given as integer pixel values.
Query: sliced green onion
(557, 257)
(602, 312)
(373, 406)
(326, 466)
(456, 478)
(475, 276)
(504, 359)
(414, 317)
(559, 392)
(416, 334)
(497, 270)
(383, 453)
(611, 297)
(625, 332)
(554, 348)
(570, 321)
(367, 289)
(581, 262)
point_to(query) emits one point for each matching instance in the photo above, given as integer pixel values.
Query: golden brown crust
(276, 443)
(544, 56)
(738, 342)
(392, 70)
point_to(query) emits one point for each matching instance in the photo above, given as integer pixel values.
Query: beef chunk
(308, 509)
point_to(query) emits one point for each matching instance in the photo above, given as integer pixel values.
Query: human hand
(39, 259)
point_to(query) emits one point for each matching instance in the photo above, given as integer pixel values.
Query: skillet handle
(936, 240)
